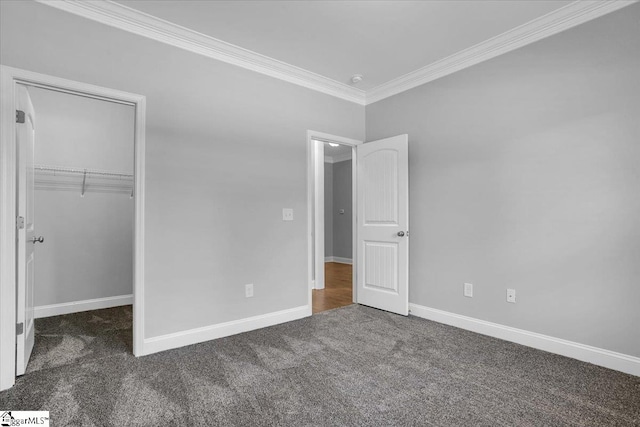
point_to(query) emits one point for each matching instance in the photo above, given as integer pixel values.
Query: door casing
(315, 205)
(9, 78)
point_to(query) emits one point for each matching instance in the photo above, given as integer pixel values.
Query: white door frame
(315, 204)
(9, 78)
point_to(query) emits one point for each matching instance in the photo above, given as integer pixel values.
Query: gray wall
(524, 174)
(88, 245)
(328, 209)
(226, 151)
(338, 228)
(342, 224)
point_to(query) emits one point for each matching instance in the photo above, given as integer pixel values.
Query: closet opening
(80, 174)
(79, 164)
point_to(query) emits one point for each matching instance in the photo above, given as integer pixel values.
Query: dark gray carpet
(352, 366)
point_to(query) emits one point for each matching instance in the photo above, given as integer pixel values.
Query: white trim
(339, 260)
(318, 203)
(139, 178)
(142, 24)
(311, 284)
(136, 22)
(79, 306)
(338, 158)
(315, 203)
(559, 20)
(207, 333)
(586, 353)
(9, 78)
(7, 231)
(354, 224)
(342, 157)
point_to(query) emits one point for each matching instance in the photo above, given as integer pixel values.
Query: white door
(383, 224)
(25, 138)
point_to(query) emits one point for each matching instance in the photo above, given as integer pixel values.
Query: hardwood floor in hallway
(338, 290)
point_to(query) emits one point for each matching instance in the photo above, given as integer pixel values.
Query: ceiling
(381, 40)
(336, 154)
(396, 45)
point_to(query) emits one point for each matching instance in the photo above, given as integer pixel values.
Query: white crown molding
(566, 17)
(125, 18)
(337, 158)
(142, 24)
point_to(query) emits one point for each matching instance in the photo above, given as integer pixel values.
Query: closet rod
(80, 171)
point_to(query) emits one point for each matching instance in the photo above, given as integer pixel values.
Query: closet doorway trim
(9, 78)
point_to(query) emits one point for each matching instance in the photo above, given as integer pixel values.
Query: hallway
(338, 291)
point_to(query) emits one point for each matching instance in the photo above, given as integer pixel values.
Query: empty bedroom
(322, 213)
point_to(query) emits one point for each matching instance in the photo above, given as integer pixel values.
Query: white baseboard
(207, 333)
(597, 356)
(78, 306)
(338, 259)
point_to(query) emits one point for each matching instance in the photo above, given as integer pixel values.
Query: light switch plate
(287, 214)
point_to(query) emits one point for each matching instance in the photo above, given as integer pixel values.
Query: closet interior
(84, 210)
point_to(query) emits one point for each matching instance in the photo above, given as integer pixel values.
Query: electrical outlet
(248, 290)
(468, 290)
(287, 214)
(511, 295)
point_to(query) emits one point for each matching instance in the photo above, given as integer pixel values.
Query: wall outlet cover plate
(287, 214)
(468, 290)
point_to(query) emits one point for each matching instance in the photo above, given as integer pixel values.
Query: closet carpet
(352, 366)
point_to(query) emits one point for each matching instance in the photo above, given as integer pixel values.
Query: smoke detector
(356, 78)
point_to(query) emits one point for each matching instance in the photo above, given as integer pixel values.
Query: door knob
(35, 240)
(400, 233)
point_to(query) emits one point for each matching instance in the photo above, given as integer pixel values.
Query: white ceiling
(339, 153)
(382, 40)
(397, 45)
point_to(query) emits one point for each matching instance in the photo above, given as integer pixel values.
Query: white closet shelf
(83, 180)
(70, 170)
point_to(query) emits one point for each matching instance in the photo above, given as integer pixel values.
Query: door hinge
(20, 223)
(19, 116)
(20, 328)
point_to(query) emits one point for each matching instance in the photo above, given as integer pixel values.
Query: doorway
(18, 302)
(380, 220)
(338, 230)
(83, 216)
(332, 282)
